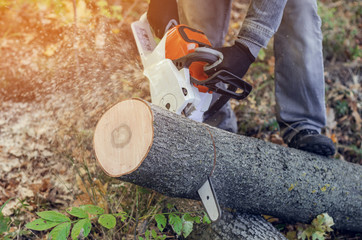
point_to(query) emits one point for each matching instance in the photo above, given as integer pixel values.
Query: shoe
(311, 141)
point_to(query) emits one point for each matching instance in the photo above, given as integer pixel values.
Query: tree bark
(249, 175)
(241, 226)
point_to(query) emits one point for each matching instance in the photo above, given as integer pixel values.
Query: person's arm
(262, 21)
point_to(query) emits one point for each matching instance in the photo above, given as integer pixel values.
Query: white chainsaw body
(170, 88)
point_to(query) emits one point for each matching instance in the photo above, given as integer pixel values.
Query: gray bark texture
(241, 226)
(250, 175)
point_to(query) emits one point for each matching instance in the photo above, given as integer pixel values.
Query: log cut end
(123, 137)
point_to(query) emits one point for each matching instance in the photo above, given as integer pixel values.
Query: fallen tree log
(241, 226)
(173, 155)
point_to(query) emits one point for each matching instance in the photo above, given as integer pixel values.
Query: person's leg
(299, 79)
(212, 17)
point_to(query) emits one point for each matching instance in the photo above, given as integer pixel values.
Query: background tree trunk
(250, 175)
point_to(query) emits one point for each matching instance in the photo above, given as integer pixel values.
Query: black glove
(160, 13)
(237, 60)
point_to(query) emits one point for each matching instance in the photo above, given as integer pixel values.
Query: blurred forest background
(63, 63)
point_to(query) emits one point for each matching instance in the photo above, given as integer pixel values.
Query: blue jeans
(295, 25)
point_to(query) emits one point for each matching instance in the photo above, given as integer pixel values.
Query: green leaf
(328, 222)
(144, 190)
(140, 238)
(187, 227)
(176, 223)
(170, 206)
(2, 206)
(60, 232)
(206, 219)
(307, 233)
(147, 235)
(77, 212)
(323, 223)
(4, 223)
(318, 221)
(187, 224)
(163, 237)
(318, 235)
(53, 216)
(92, 209)
(161, 221)
(187, 217)
(41, 224)
(304, 236)
(107, 221)
(123, 215)
(81, 229)
(154, 234)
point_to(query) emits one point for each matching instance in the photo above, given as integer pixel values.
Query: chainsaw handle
(213, 58)
(201, 54)
(234, 83)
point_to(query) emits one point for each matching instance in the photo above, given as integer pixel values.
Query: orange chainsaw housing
(182, 40)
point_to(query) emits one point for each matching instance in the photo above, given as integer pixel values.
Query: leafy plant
(271, 125)
(320, 226)
(4, 221)
(339, 31)
(342, 108)
(82, 226)
(181, 224)
(62, 226)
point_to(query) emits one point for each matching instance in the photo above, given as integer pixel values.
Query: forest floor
(56, 82)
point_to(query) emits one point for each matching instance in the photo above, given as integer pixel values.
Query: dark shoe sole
(311, 141)
(320, 149)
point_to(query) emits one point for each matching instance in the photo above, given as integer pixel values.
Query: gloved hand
(237, 60)
(161, 14)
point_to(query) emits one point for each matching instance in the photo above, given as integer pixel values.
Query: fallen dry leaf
(331, 122)
(357, 118)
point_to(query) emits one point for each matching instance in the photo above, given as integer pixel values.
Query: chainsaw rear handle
(213, 58)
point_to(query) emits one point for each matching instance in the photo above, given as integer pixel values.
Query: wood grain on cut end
(123, 137)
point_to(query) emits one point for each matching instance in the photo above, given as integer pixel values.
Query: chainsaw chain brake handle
(213, 58)
(201, 54)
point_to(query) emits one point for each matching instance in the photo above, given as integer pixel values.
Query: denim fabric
(212, 17)
(299, 81)
(299, 70)
(261, 23)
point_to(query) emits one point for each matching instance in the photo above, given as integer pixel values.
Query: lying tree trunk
(173, 155)
(237, 226)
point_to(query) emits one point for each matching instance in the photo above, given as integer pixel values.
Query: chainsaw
(175, 68)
